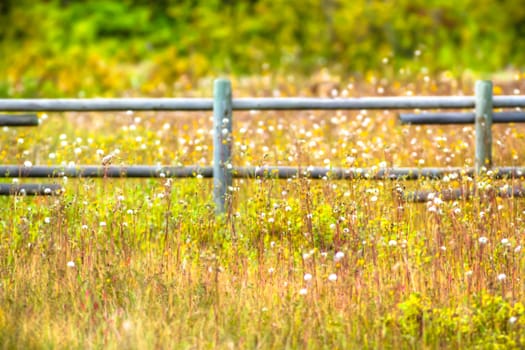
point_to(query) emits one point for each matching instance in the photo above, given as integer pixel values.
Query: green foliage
(486, 320)
(109, 46)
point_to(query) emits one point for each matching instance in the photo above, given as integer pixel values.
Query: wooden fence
(223, 104)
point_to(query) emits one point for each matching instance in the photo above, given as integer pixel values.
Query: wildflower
(127, 325)
(70, 264)
(303, 291)
(47, 220)
(102, 224)
(392, 243)
(505, 242)
(106, 160)
(332, 277)
(517, 249)
(468, 273)
(271, 270)
(513, 319)
(483, 240)
(84, 227)
(338, 256)
(502, 277)
(307, 277)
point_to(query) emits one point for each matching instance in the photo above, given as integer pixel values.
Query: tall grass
(140, 264)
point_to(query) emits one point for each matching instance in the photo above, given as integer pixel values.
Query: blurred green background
(121, 47)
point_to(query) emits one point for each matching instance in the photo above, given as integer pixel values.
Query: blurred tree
(134, 41)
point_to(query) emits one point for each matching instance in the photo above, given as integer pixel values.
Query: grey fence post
(222, 144)
(483, 123)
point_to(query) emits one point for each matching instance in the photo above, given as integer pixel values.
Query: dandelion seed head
(332, 277)
(303, 291)
(70, 264)
(127, 325)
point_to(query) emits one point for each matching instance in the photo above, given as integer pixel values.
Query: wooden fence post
(483, 123)
(222, 144)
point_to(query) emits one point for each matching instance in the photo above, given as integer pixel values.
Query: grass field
(144, 264)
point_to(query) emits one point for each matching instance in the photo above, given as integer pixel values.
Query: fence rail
(251, 172)
(222, 104)
(19, 120)
(29, 189)
(458, 118)
(238, 104)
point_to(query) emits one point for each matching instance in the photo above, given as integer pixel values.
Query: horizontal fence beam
(275, 172)
(285, 103)
(107, 104)
(457, 118)
(19, 120)
(30, 189)
(91, 171)
(462, 194)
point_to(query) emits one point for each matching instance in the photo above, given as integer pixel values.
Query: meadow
(313, 264)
